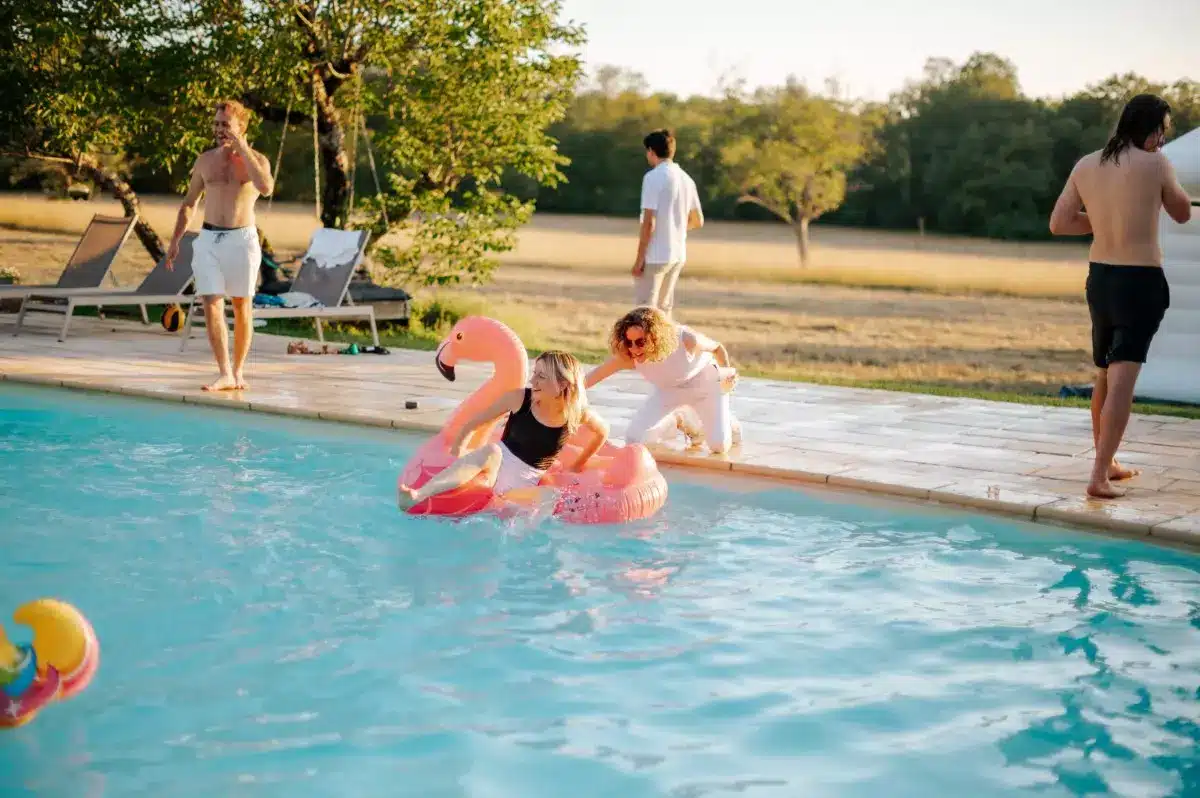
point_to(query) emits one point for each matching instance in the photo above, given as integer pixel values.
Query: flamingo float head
(483, 340)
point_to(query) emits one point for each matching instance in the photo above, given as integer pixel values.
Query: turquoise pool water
(272, 626)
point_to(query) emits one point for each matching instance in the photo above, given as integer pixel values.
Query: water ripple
(272, 626)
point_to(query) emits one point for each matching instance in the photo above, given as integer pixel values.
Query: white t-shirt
(677, 368)
(671, 194)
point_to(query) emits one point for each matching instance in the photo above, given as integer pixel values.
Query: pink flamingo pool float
(620, 483)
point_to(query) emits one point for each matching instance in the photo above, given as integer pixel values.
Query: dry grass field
(882, 308)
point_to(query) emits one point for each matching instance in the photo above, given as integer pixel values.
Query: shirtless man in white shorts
(226, 256)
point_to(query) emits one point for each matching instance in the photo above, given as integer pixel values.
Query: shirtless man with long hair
(227, 255)
(1124, 188)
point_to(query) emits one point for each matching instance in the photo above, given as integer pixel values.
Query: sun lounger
(325, 273)
(92, 259)
(160, 287)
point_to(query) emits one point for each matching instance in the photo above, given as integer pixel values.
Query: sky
(872, 46)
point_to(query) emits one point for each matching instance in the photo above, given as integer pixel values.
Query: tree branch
(117, 185)
(753, 200)
(306, 15)
(38, 156)
(344, 69)
(272, 113)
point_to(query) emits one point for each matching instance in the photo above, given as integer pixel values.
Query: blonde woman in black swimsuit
(541, 418)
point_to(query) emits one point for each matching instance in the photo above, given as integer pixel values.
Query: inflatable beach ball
(172, 318)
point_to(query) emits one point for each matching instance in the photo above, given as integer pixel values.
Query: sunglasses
(639, 342)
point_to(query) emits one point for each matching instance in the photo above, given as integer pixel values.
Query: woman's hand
(598, 426)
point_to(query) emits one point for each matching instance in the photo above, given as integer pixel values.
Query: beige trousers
(656, 286)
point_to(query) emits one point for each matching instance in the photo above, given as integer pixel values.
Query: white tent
(1172, 370)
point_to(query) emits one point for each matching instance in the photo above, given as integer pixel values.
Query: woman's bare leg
(457, 474)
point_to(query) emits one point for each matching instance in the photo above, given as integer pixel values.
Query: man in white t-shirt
(670, 207)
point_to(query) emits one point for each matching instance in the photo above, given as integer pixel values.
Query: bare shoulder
(260, 157)
(593, 419)
(1163, 162)
(514, 399)
(1087, 162)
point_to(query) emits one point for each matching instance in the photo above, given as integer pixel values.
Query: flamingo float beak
(446, 371)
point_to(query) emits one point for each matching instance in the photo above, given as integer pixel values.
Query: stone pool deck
(1019, 460)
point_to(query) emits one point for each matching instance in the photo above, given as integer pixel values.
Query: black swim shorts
(1127, 303)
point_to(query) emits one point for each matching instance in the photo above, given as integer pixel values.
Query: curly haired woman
(687, 369)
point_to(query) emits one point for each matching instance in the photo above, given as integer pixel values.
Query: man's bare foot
(406, 497)
(240, 382)
(1117, 472)
(225, 382)
(1103, 489)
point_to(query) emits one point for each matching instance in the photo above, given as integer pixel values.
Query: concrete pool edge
(1177, 530)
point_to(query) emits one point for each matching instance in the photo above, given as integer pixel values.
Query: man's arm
(699, 342)
(184, 217)
(646, 230)
(1068, 218)
(1175, 200)
(695, 218)
(258, 167)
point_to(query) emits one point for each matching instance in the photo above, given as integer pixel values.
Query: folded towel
(267, 301)
(300, 299)
(288, 299)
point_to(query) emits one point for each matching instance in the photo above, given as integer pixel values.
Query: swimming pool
(272, 626)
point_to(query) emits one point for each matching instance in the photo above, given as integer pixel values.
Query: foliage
(456, 92)
(965, 151)
(474, 112)
(788, 151)
(83, 91)
(960, 150)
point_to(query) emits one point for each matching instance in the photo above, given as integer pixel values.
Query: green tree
(788, 151)
(456, 93)
(76, 80)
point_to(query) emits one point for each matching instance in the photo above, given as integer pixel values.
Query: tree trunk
(801, 230)
(128, 198)
(335, 165)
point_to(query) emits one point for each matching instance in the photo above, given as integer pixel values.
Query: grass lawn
(895, 311)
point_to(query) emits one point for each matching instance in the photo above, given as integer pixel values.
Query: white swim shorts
(226, 262)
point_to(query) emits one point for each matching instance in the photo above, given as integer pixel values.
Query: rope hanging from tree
(360, 121)
(374, 172)
(353, 165)
(357, 110)
(279, 156)
(316, 158)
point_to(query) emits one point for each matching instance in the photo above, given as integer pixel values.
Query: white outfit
(683, 380)
(671, 193)
(514, 473)
(226, 262)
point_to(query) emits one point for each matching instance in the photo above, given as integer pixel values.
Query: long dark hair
(1142, 117)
